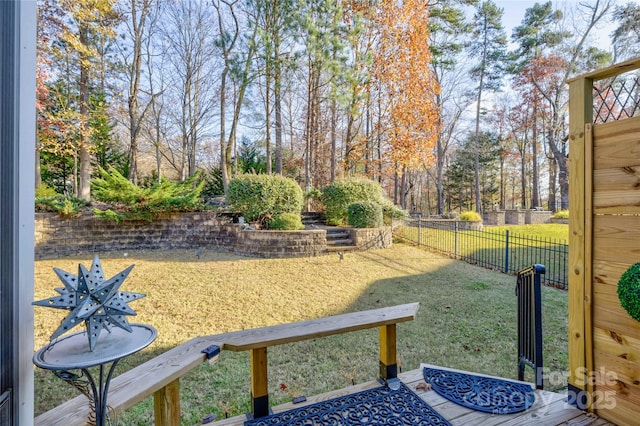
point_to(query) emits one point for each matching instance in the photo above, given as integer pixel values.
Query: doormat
(486, 394)
(377, 406)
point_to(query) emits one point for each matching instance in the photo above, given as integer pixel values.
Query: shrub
(65, 205)
(130, 201)
(261, 197)
(45, 191)
(365, 214)
(470, 216)
(213, 183)
(391, 211)
(629, 291)
(286, 222)
(562, 214)
(338, 195)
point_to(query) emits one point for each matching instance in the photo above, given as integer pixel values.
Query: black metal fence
(501, 251)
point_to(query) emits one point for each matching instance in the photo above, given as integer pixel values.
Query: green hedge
(286, 222)
(562, 214)
(337, 196)
(365, 214)
(470, 216)
(259, 198)
(391, 211)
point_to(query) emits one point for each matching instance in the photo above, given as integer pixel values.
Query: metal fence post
(506, 253)
(455, 244)
(419, 231)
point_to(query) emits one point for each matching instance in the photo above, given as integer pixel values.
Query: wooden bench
(160, 376)
(258, 340)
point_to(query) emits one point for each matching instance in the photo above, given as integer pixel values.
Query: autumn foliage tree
(402, 68)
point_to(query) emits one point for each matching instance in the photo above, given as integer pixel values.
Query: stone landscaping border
(56, 236)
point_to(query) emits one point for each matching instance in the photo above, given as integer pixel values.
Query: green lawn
(467, 319)
(527, 244)
(551, 231)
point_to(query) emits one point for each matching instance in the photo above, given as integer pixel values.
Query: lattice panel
(616, 99)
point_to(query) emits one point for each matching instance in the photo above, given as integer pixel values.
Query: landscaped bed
(466, 320)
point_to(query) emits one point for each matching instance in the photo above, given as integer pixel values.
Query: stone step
(337, 235)
(335, 249)
(338, 242)
(313, 218)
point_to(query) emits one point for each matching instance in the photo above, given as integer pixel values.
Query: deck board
(549, 409)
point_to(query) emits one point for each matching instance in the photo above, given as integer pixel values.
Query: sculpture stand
(72, 353)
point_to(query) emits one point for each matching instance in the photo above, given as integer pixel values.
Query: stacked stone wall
(84, 234)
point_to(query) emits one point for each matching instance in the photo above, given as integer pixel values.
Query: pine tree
(490, 48)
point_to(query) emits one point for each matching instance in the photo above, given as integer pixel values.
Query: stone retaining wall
(279, 243)
(495, 217)
(536, 217)
(449, 224)
(518, 217)
(85, 234)
(514, 217)
(371, 238)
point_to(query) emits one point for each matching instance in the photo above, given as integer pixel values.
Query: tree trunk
(277, 95)
(307, 136)
(135, 117)
(440, 174)
(333, 137)
(38, 177)
(535, 179)
(84, 188)
(267, 81)
(523, 179)
(367, 135)
(225, 161)
(553, 169)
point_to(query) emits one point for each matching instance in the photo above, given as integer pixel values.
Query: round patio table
(64, 355)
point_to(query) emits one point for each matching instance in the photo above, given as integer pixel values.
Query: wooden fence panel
(615, 246)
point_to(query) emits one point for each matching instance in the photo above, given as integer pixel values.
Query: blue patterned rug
(486, 394)
(378, 406)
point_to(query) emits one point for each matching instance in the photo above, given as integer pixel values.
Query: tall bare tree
(572, 52)
(189, 34)
(139, 29)
(238, 54)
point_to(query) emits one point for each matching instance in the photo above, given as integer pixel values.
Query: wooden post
(259, 383)
(388, 363)
(580, 114)
(166, 405)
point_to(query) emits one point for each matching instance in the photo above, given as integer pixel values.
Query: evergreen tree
(250, 159)
(489, 46)
(536, 33)
(106, 150)
(626, 36)
(460, 175)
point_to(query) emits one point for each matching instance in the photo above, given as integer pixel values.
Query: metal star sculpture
(93, 300)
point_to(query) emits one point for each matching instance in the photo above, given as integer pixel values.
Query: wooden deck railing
(160, 376)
